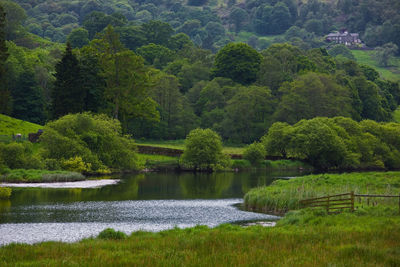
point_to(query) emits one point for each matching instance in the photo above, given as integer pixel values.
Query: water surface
(149, 201)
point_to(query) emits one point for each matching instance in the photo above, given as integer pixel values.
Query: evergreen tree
(68, 93)
(5, 99)
(27, 99)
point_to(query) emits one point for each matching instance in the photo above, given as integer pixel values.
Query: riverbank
(39, 176)
(152, 162)
(308, 239)
(284, 195)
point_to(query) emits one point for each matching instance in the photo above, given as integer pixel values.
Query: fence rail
(340, 202)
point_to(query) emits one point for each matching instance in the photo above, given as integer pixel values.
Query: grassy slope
(9, 126)
(390, 73)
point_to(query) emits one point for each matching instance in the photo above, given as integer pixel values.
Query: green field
(390, 73)
(10, 126)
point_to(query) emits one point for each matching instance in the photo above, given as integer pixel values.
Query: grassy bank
(283, 164)
(307, 239)
(10, 126)
(38, 176)
(180, 144)
(158, 162)
(284, 195)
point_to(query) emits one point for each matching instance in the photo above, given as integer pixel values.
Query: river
(146, 201)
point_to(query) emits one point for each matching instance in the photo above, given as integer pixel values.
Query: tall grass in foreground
(323, 241)
(284, 195)
(37, 176)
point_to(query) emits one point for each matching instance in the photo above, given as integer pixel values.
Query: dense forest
(211, 24)
(164, 68)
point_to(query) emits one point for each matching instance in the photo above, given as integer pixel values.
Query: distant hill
(9, 126)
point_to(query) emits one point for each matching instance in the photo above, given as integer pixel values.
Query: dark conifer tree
(68, 92)
(5, 98)
(27, 97)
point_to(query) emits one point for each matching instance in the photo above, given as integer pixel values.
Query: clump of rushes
(37, 176)
(284, 195)
(5, 192)
(110, 233)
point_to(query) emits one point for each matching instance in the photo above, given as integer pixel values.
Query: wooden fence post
(327, 205)
(352, 200)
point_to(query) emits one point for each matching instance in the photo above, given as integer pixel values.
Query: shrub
(96, 139)
(255, 153)
(5, 192)
(76, 164)
(52, 164)
(19, 155)
(203, 151)
(110, 233)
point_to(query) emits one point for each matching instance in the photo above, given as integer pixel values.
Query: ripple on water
(75, 221)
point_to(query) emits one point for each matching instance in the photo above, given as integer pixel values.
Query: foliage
(5, 192)
(312, 95)
(19, 155)
(95, 139)
(203, 151)
(255, 153)
(68, 95)
(76, 164)
(238, 62)
(336, 143)
(111, 234)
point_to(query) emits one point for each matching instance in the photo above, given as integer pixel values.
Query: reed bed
(284, 195)
(324, 241)
(39, 176)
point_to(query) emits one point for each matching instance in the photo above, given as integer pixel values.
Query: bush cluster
(332, 143)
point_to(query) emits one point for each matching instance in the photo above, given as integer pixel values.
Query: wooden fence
(340, 202)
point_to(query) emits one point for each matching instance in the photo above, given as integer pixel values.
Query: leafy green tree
(312, 95)
(157, 32)
(131, 36)
(372, 101)
(248, 114)
(281, 63)
(239, 62)
(15, 15)
(255, 153)
(68, 94)
(126, 78)
(78, 38)
(156, 55)
(203, 151)
(341, 50)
